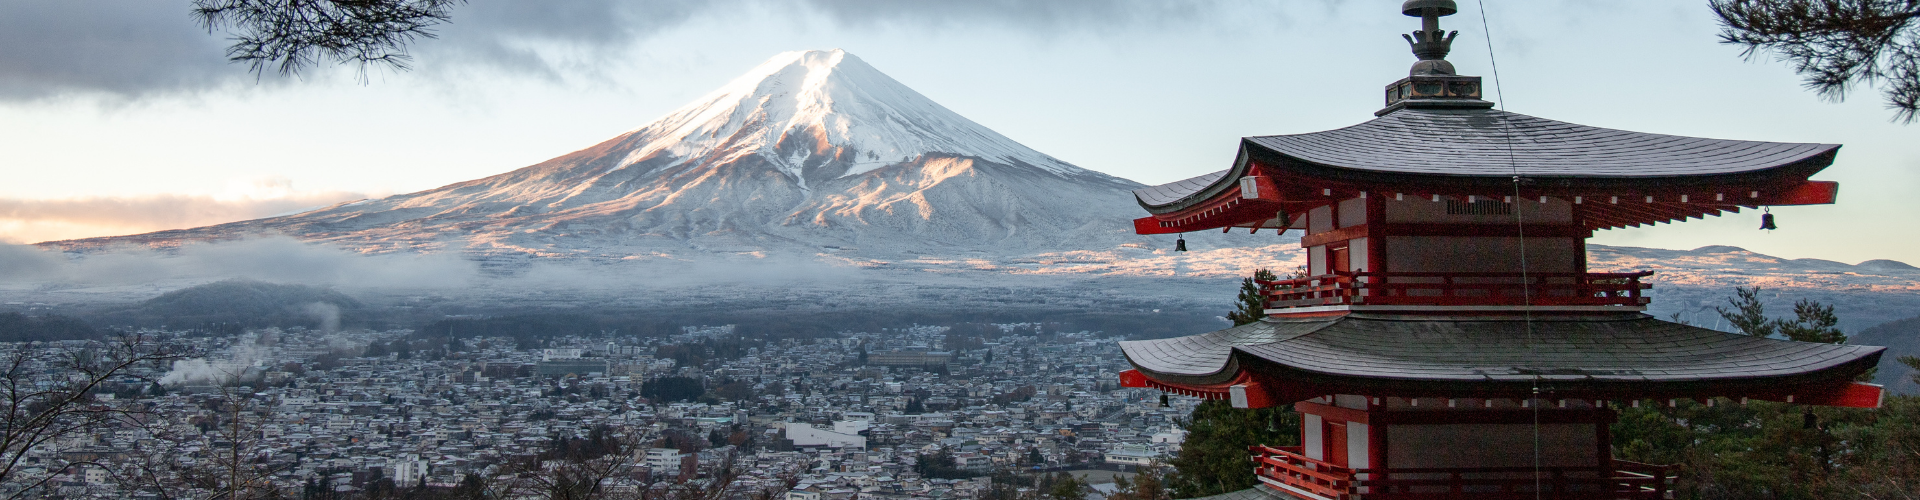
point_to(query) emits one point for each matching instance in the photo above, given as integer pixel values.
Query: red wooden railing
(1458, 289)
(1622, 481)
(1288, 466)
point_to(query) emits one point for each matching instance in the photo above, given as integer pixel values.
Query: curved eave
(1495, 145)
(1641, 358)
(1686, 177)
(1548, 183)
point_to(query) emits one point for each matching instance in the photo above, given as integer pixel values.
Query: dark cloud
(509, 35)
(1047, 15)
(137, 48)
(123, 47)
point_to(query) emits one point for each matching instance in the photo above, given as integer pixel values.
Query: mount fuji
(811, 151)
(807, 168)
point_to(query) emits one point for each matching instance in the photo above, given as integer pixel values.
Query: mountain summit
(822, 113)
(811, 151)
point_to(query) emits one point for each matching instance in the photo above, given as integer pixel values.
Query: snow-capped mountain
(813, 151)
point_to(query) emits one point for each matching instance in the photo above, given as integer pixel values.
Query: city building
(909, 358)
(803, 434)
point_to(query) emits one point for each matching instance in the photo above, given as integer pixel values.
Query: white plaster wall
(1357, 446)
(1310, 439)
(1320, 220)
(1357, 254)
(1353, 212)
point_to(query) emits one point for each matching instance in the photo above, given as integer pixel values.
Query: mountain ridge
(809, 151)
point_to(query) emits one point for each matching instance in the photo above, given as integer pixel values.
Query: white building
(1132, 454)
(1170, 440)
(806, 435)
(663, 460)
(409, 470)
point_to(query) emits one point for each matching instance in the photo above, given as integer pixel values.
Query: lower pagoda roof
(1616, 356)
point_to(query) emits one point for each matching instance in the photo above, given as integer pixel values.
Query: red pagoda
(1447, 340)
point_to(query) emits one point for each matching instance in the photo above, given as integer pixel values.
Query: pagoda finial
(1432, 83)
(1430, 43)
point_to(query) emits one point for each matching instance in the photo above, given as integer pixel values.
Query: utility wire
(1520, 230)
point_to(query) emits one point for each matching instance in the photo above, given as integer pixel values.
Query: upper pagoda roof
(1618, 356)
(1484, 148)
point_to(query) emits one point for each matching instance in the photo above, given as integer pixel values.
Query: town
(913, 412)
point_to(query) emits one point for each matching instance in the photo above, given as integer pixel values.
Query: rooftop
(1602, 357)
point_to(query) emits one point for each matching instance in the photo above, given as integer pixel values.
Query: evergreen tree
(1765, 449)
(1812, 322)
(1147, 484)
(1748, 314)
(1063, 486)
(1214, 459)
(1252, 305)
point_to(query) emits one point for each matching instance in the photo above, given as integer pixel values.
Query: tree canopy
(1213, 458)
(1835, 45)
(1251, 306)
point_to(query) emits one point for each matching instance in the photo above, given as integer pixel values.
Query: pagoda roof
(1616, 356)
(1490, 142)
(1478, 151)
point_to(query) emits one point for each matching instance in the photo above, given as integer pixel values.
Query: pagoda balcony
(1427, 291)
(1285, 468)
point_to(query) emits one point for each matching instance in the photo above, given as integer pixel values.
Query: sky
(122, 116)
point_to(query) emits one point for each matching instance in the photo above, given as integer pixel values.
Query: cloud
(521, 36)
(133, 49)
(1039, 17)
(129, 48)
(276, 259)
(28, 220)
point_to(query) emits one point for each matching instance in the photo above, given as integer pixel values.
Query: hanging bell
(1180, 245)
(1766, 222)
(1163, 401)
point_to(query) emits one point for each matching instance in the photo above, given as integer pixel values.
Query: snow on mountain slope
(846, 109)
(810, 151)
